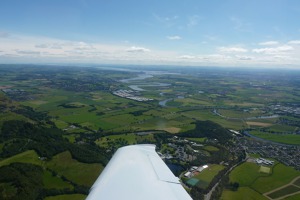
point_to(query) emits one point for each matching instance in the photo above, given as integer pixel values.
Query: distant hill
(210, 130)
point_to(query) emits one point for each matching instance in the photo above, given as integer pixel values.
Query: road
(208, 195)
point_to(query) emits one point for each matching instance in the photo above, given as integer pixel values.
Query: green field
(280, 176)
(293, 197)
(55, 182)
(98, 109)
(249, 175)
(67, 197)
(245, 174)
(201, 140)
(208, 115)
(264, 169)
(284, 191)
(281, 138)
(297, 182)
(243, 193)
(206, 176)
(62, 164)
(81, 101)
(130, 138)
(239, 114)
(211, 148)
(25, 157)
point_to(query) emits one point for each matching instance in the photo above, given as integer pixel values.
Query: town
(129, 94)
(286, 154)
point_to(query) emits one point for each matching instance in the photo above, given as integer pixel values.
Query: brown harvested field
(172, 129)
(5, 87)
(259, 124)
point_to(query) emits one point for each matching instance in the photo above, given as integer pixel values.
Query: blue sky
(172, 32)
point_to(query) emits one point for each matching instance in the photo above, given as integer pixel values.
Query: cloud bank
(19, 48)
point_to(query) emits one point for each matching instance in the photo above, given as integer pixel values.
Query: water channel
(140, 86)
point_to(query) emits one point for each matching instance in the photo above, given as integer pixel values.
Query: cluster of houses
(194, 170)
(280, 109)
(180, 150)
(17, 94)
(129, 94)
(263, 161)
(286, 154)
(183, 149)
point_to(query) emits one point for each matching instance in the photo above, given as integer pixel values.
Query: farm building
(200, 169)
(188, 174)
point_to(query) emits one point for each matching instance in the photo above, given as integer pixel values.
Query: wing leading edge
(136, 172)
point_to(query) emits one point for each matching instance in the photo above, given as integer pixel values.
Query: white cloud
(216, 57)
(175, 37)
(294, 42)
(269, 43)
(18, 48)
(82, 46)
(137, 49)
(245, 58)
(187, 57)
(232, 50)
(275, 50)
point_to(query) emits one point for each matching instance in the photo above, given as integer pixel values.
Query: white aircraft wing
(136, 172)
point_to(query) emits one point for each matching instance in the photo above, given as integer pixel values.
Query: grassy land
(81, 173)
(284, 191)
(297, 182)
(282, 128)
(55, 182)
(249, 175)
(208, 115)
(206, 176)
(97, 109)
(244, 193)
(67, 197)
(25, 157)
(103, 110)
(238, 114)
(245, 174)
(63, 164)
(281, 138)
(201, 140)
(280, 176)
(264, 169)
(294, 197)
(130, 138)
(211, 148)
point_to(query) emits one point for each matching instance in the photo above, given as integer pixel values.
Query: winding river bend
(164, 102)
(138, 86)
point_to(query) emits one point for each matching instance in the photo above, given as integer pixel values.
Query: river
(164, 102)
(141, 86)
